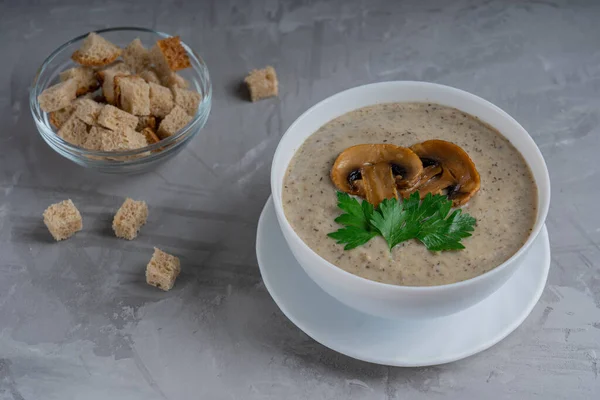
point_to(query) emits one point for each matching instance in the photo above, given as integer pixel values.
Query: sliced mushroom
(373, 171)
(448, 169)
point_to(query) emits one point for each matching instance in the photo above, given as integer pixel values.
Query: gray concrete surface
(77, 320)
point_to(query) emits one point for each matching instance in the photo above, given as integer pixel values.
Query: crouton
(93, 140)
(161, 100)
(118, 67)
(187, 99)
(169, 55)
(85, 77)
(96, 51)
(63, 220)
(173, 122)
(108, 85)
(137, 140)
(173, 79)
(59, 117)
(129, 219)
(122, 140)
(136, 56)
(112, 118)
(88, 110)
(132, 94)
(150, 136)
(58, 96)
(101, 139)
(262, 83)
(162, 270)
(107, 75)
(150, 76)
(74, 130)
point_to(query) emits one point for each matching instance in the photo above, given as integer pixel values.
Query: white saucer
(405, 343)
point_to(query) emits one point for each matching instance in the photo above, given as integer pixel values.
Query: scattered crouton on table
(129, 219)
(262, 83)
(162, 270)
(63, 220)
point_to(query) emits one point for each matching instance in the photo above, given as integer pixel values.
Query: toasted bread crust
(82, 59)
(151, 137)
(174, 53)
(146, 121)
(58, 118)
(95, 51)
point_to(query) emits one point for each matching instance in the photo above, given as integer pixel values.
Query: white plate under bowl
(404, 343)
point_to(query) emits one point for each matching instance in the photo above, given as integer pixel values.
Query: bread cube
(102, 139)
(169, 55)
(58, 96)
(129, 219)
(136, 56)
(114, 119)
(189, 100)
(108, 85)
(118, 67)
(74, 131)
(122, 140)
(173, 122)
(86, 79)
(150, 76)
(93, 140)
(88, 110)
(59, 117)
(132, 94)
(161, 100)
(96, 51)
(146, 121)
(137, 140)
(162, 270)
(173, 79)
(63, 220)
(262, 83)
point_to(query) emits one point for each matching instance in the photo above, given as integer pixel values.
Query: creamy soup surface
(505, 206)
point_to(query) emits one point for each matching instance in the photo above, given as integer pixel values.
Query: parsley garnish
(428, 220)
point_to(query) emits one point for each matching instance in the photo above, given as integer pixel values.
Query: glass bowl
(126, 161)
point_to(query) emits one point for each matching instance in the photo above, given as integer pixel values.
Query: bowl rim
(120, 157)
(543, 203)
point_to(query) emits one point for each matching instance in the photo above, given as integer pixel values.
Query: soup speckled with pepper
(505, 206)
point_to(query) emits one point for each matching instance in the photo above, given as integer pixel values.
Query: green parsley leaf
(428, 220)
(352, 236)
(420, 210)
(392, 219)
(441, 233)
(358, 230)
(357, 214)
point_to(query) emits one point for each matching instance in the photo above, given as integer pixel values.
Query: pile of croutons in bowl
(121, 99)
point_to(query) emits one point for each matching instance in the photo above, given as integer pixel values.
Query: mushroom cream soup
(504, 205)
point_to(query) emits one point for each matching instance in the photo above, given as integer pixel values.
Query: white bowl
(393, 301)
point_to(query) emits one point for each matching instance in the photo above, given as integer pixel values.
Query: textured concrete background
(77, 320)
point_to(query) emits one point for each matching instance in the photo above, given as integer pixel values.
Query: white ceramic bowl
(392, 301)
